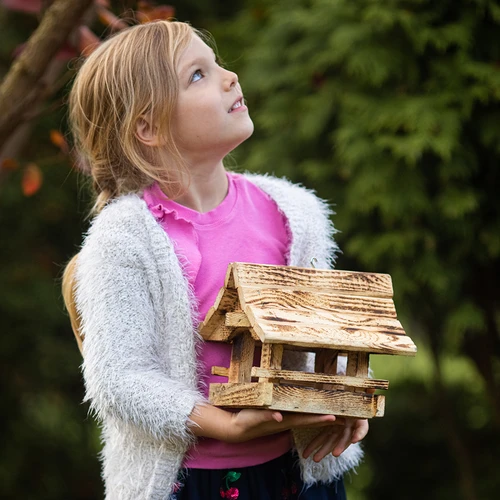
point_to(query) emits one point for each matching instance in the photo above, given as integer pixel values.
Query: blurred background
(388, 109)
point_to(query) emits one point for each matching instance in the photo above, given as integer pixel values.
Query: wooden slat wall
(348, 404)
(296, 399)
(313, 378)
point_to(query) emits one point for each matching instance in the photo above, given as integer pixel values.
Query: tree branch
(23, 85)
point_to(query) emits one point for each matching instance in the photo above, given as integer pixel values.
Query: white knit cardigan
(140, 340)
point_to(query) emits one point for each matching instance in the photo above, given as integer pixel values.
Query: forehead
(195, 52)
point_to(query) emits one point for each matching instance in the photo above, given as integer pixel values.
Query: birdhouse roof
(308, 308)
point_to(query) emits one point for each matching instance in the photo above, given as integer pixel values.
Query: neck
(207, 189)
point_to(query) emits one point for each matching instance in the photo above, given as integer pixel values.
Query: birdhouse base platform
(272, 396)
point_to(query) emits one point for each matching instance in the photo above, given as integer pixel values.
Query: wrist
(212, 422)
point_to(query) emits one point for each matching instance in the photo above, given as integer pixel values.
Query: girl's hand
(249, 424)
(337, 438)
(210, 421)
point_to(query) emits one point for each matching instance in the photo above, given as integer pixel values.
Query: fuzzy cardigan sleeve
(127, 374)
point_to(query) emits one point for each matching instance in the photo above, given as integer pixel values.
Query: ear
(146, 132)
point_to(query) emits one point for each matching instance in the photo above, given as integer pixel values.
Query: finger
(316, 442)
(343, 442)
(360, 431)
(309, 420)
(327, 446)
(277, 416)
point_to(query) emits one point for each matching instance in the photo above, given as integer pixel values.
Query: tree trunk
(24, 84)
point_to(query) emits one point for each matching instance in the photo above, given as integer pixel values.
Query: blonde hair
(129, 77)
(68, 291)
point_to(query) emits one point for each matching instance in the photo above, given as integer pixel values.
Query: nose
(230, 79)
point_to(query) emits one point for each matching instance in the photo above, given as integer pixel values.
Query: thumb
(274, 415)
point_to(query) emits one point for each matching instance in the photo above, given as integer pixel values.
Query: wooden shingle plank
(333, 337)
(299, 316)
(301, 278)
(241, 358)
(254, 395)
(327, 301)
(346, 404)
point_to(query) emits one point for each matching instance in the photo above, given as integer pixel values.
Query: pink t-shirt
(246, 227)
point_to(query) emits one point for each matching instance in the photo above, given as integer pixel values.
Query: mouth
(237, 104)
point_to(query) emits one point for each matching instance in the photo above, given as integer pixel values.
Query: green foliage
(391, 110)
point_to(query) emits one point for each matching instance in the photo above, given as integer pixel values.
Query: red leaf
(32, 179)
(58, 140)
(147, 11)
(87, 41)
(9, 164)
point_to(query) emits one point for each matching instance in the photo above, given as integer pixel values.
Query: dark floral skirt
(278, 479)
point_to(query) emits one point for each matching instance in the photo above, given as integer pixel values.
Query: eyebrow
(195, 62)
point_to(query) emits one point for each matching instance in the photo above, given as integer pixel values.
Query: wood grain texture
(357, 366)
(312, 280)
(221, 333)
(254, 395)
(296, 399)
(376, 324)
(229, 280)
(270, 358)
(326, 362)
(237, 319)
(227, 300)
(310, 378)
(327, 301)
(297, 328)
(347, 404)
(241, 358)
(293, 376)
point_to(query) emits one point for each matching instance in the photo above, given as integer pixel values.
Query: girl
(154, 115)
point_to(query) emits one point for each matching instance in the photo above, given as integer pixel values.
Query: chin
(249, 130)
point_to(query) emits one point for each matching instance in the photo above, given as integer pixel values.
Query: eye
(197, 75)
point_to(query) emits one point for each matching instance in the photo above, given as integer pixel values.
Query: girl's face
(210, 118)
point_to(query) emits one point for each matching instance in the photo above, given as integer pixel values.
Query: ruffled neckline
(161, 206)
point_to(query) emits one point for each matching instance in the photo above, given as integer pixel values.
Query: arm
(127, 372)
(235, 427)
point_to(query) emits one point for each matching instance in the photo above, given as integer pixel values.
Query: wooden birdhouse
(334, 314)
